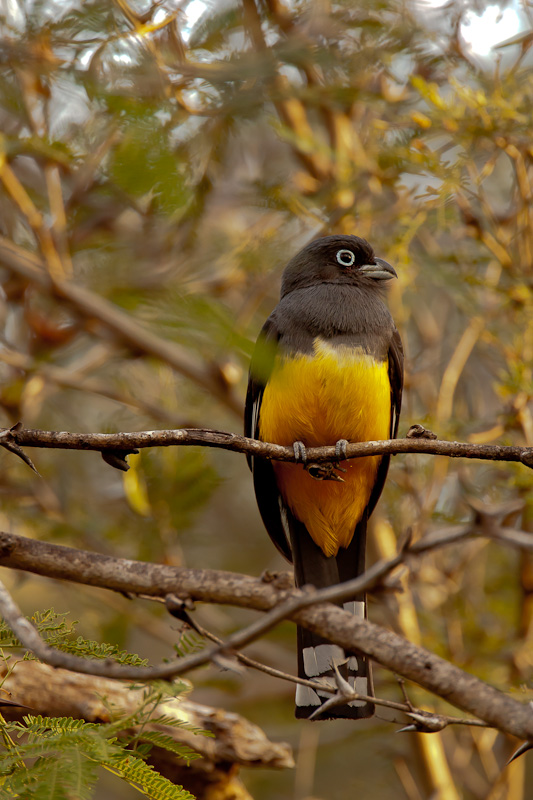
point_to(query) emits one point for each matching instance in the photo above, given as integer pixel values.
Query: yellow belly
(336, 393)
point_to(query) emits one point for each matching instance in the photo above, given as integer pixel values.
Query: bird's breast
(335, 392)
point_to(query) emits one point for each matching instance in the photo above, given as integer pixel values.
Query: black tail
(315, 654)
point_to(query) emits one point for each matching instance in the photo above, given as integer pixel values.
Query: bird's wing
(396, 380)
(395, 359)
(270, 502)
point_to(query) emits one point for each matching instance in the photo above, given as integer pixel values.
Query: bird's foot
(340, 449)
(300, 452)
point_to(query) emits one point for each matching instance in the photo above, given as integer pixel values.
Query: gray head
(335, 259)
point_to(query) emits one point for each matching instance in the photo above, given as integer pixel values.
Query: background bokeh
(170, 158)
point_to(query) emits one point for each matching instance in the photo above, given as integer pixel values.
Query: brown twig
(405, 708)
(64, 440)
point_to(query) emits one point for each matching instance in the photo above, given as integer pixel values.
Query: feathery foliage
(61, 757)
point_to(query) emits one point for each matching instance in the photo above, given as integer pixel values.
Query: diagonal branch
(419, 716)
(392, 651)
(288, 604)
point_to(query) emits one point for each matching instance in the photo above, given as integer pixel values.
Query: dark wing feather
(395, 357)
(396, 380)
(269, 500)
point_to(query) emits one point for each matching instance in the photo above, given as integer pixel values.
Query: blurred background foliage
(159, 163)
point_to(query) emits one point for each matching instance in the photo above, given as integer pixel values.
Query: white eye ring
(345, 258)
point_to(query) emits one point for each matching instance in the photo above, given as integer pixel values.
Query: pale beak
(380, 270)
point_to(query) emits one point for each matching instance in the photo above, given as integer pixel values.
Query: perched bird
(327, 369)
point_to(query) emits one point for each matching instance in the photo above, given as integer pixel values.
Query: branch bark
(57, 692)
(64, 440)
(414, 663)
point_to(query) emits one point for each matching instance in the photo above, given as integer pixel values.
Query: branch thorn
(524, 747)
(6, 441)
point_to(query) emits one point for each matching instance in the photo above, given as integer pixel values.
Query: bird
(327, 369)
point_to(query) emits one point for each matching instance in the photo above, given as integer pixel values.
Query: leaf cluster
(62, 757)
(57, 632)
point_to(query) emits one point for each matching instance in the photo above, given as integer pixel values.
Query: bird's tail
(317, 656)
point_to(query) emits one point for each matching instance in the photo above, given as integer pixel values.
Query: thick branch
(231, 441)
(57, 692)
(414, 663)
(235, 741)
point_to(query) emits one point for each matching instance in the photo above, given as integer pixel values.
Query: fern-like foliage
(189, 642)
(58, 758)
(57, 632)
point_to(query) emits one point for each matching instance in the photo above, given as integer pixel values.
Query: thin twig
(29, 637)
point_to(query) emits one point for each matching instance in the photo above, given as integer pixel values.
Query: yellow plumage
(335, 393)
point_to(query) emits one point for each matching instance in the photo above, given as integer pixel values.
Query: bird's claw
(326, 470)
(340, 449)
(300, 452)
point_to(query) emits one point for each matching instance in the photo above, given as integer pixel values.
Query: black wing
(269, 500)
(395, 358)
(396, 380)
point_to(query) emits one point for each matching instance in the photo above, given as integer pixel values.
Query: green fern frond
(67, 752)
(173, 722)
(59, 758)
(189, 643)
(41, 742)
(166, 689)
(53, 778)
(166, 742)
(146, 779)
(43, 726)
(59, 633)
(87, 647)
(7, 638)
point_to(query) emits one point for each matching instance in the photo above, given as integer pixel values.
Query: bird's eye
(345, 258)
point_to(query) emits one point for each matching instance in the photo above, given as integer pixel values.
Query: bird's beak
(380, 270)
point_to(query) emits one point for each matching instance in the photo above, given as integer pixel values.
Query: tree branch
(414, 663)
(56, 692)
(289, 603)
(64, 440)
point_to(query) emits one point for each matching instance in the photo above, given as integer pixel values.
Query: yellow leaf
(420, 119)
(429, 91)
(450, 125)
(135, 487)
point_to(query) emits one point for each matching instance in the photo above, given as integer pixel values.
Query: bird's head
(335, 259)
